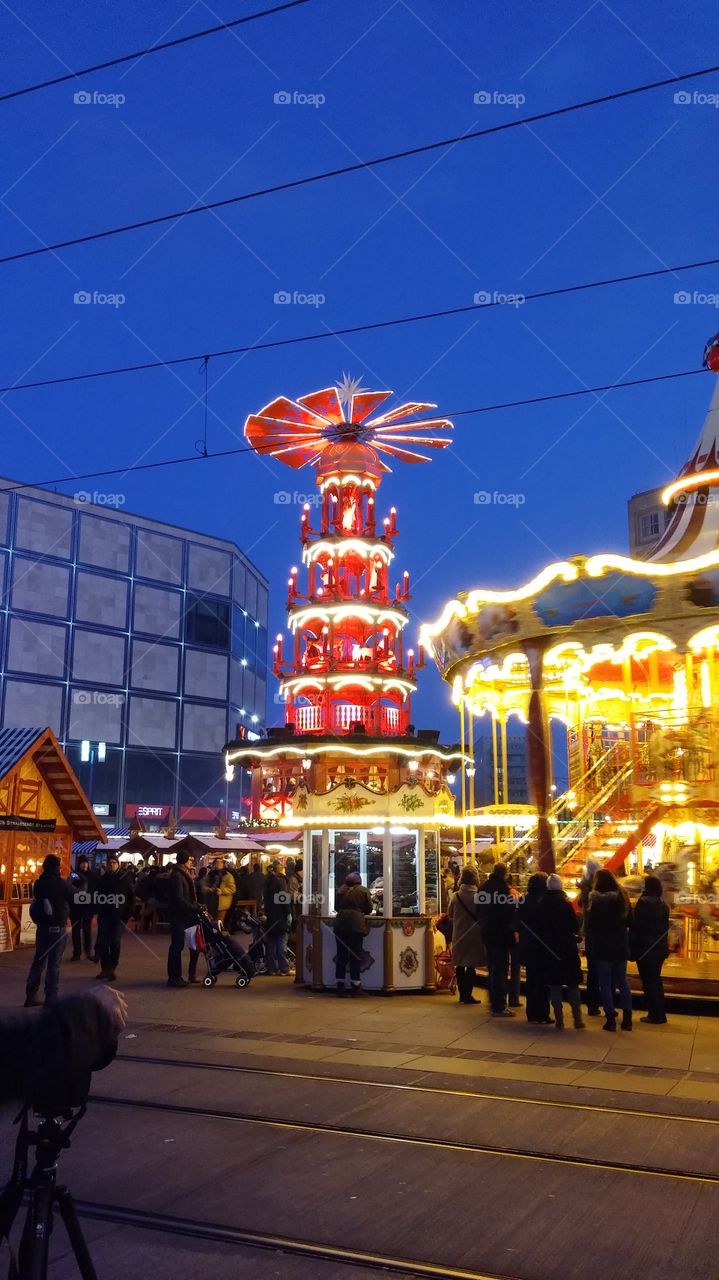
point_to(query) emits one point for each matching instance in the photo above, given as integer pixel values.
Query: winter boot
(627, 1020)
(610, 1025)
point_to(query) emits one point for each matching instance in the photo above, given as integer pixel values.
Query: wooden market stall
(43, 809)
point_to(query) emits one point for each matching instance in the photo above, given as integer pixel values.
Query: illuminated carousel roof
(586, 612)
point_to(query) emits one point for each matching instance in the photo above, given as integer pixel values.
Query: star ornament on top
(297, 432)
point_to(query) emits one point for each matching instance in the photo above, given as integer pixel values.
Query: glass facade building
(124, 631)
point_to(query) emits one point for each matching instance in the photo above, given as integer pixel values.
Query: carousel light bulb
(413, 766)
(306, 763)
(451, 779)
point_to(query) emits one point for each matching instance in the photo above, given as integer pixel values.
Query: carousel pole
(538, 757)
(463, 787)
(472, 771)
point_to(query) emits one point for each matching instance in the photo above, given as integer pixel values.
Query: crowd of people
(99, 907)
(488, 923)
(540, 931)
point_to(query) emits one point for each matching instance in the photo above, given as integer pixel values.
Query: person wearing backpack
(52, 897)
(467, 947)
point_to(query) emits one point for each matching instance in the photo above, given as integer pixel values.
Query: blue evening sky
(620, 188)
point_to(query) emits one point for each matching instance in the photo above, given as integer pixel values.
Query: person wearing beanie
(532, 951)
(649, 946)
(82, 909)
(353, 904)
(182, 910)
(467, 946)
(559, 931)
(49, 911)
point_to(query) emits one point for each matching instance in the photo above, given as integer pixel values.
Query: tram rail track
(402, 1087)
(240, 1237)
(412, 1140)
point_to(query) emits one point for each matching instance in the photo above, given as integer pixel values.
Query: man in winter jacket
(498, 912)
(182, 909)
(52, 899)
(82, 908)
(278, 909)
(115, 898)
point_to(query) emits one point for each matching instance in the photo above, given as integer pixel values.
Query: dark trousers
(82, 936)
(613, 978)
(109, 938)
(349, 952)
(49, 948)
(497, 965)
(174, 955)
(650, 972)
(594, 998)
(515, 977)
(537, 991)
(465, 982)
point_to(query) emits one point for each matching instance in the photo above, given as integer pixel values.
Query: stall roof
(222, 844)
(152, 840)
(43, 748)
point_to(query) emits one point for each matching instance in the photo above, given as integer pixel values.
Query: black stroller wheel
(209, 981)
(242, 980)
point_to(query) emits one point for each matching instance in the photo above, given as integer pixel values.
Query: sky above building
(620, 188)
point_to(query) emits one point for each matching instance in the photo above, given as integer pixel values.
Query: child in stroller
(222, 953)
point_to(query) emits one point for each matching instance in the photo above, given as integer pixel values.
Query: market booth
(43, 809)
(348, 769)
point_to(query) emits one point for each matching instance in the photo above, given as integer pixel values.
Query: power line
(353, 329)
(153, 48)
(354, 168)
(457, 413)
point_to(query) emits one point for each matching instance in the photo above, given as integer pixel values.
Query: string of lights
(231, 453)
(323, 335)
(160, 47)
(328, 174)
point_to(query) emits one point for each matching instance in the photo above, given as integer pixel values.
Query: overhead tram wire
(343, 170)
(231, 453)
(357, 328)
(160, 47)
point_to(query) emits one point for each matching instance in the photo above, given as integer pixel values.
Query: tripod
(50, 1138)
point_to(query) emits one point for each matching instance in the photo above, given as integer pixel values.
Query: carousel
(368, 791)
(624, 654)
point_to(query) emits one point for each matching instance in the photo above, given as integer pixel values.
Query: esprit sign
(158, 812)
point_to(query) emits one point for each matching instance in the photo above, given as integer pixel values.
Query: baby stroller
(255, 928)
(222, 954)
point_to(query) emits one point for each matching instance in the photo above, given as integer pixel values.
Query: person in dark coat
(585, 887)
(256, 886)
(354, 904)
(278, 910)
(50, 909)
(559, 924)
(498, 910)
(182, 910)
(467, 947)
(115, 903)
(531, 951)
(649, 946)
(607, 932)
(82, 908)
